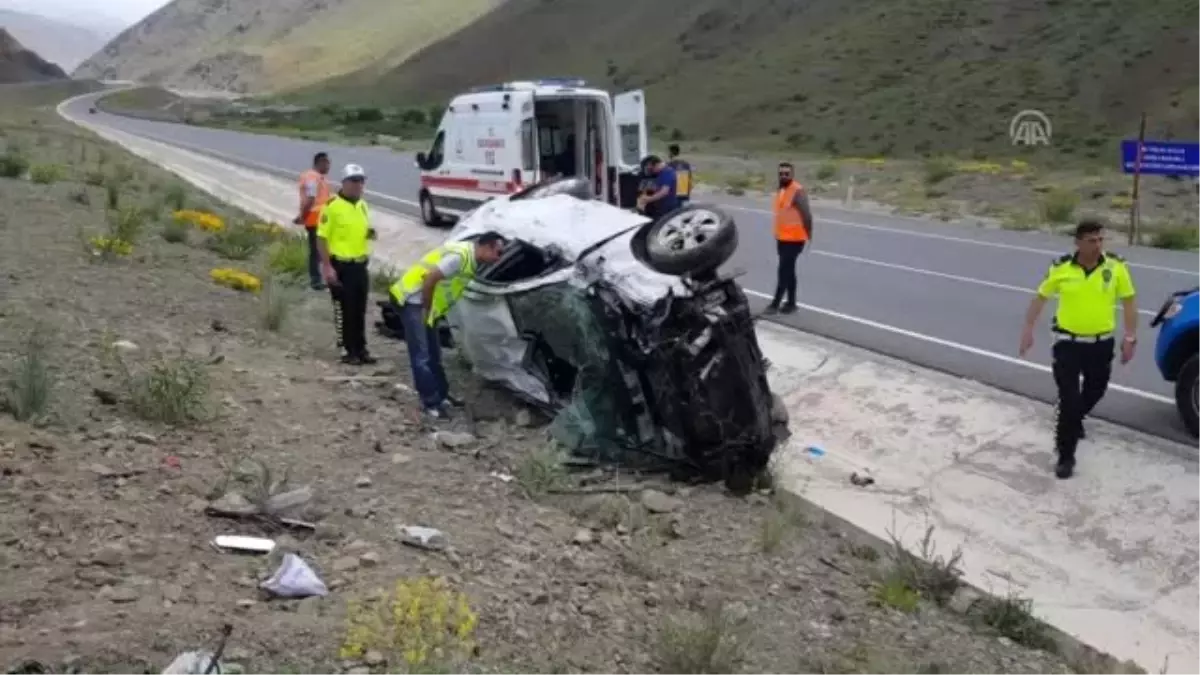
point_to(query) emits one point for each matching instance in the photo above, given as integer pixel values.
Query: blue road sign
(1162, 158)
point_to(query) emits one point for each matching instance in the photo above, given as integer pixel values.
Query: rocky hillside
(269, 45)
(18, 64)
(861, 77)
(62, 43)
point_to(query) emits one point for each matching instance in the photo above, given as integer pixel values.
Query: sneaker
(789, 308)
(454, 401)
(771, 309)
(438, 414)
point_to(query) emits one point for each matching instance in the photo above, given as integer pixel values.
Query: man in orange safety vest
(314, 194)
(793, 230)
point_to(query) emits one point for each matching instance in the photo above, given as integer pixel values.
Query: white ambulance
(500, 139)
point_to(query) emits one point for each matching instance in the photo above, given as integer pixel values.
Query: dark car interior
(521, 260)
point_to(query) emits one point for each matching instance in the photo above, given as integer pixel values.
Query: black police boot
(1065, 468)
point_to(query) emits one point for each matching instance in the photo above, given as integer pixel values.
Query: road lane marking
(1149, 396)
(959, 240)
(812, 308)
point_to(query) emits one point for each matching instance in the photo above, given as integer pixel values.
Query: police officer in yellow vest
(425, 294)
(1088, 283)
(343, 241)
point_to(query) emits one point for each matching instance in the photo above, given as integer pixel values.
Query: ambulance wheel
(694, 240)
(429, 214)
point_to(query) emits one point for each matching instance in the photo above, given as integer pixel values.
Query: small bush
(541, 471)
(938, 169)
(107, 248)
(27, 394)
(710, 643)
(1178, 238)
(238, 242)
(737, 185)
(895, 592)
(926, 572)
(175, 232)
(126, 224)
(383, 278)
(81, 197)
(176, 197)
(1058, 205)
(95, 178)
(171, 391)
(778, 523)
(13, 164)
(1013, 618)
(422, 625)
(236, 279)
(46, 174)
(288, 257)
(827, 171)
(276, 303)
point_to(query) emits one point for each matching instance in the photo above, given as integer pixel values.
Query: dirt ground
(105, 541)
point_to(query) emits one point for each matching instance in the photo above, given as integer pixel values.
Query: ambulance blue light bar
(561, 82)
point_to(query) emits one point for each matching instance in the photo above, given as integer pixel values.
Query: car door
(629, 114)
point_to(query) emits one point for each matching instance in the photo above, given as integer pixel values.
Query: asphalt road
(945, 296)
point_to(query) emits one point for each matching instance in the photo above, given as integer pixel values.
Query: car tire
(580, 188)
(693, 240)
(1185, 394)
(429, 214)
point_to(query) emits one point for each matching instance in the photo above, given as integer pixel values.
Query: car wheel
(1186, 394)
(578, 188)
(692, 240)
(428, 213)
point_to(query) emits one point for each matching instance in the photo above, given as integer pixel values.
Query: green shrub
(170, 391)
(1013, 618)
(938, 169)
(13, 164)
(288, 257)
(827, 171)
(175, 231)
(1058, 205)
(95, 178)
(46, 174)
(176, 197)
(276, 303)
(1179, 238)
(27, 394)
(236, 242)
(126, 224)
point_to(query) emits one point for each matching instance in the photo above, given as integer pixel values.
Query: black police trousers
(1090, 362)
(350, 296)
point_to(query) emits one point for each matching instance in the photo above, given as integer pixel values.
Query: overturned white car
(624, 327)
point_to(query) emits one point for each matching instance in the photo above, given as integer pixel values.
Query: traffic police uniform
(345, 227)
(1084, 344)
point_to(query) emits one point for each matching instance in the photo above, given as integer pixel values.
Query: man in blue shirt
(664, 198)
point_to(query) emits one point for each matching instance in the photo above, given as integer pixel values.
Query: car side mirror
(421, 160)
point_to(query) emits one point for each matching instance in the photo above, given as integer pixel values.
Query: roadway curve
(942, 296)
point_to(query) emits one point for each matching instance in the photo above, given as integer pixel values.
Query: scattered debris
(105, 396)
(660, 502)
(124, 346)
(502, 477)
(815, 451)
(242, 544)
(583, 537)
(861, 479)
(419, 536)
(232, 505)
(294, 579)
(453, 439)
(362, 482)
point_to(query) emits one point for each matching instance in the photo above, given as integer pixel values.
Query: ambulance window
(435, 157)
(528, 149)
(630, 143)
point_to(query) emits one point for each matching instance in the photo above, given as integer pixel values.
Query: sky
(127, 12)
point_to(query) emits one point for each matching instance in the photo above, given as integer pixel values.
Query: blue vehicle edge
(1175, 350)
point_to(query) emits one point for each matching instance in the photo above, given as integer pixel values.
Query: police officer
(424, 295)
(343, 240)
(1088, 283)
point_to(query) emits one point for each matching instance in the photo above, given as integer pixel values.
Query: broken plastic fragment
(295, 579)
(422, 537)
(815, 451)
(244, 544)
(192, 663)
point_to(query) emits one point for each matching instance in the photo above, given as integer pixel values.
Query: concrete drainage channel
(967, 459)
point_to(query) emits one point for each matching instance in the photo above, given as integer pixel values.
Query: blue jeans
(425, 357)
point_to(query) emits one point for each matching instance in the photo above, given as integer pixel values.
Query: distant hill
(18, 64)
(269, 45)
(63, 43)
(852, 77)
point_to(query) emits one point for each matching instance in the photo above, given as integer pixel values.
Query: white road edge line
(960, 240)
(812, 308)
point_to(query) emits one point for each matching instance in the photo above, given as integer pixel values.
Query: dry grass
(29, 387)
(713, 641)
(925, 571)
(541, 471)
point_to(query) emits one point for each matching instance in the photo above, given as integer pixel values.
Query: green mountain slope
(267, 45)
(864, 77)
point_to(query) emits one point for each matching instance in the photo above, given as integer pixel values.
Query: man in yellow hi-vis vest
(425, 294)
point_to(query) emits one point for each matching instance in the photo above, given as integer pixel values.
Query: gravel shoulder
(106, 515)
